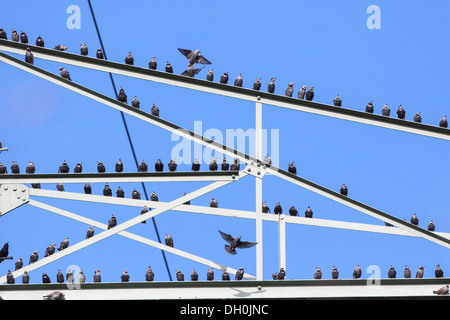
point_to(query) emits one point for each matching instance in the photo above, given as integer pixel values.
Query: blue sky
(322, 43)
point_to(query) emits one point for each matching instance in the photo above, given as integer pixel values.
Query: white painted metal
(12, 196)
(258, 194)
(282, 241)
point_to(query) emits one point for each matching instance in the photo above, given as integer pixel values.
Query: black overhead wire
(128, 133)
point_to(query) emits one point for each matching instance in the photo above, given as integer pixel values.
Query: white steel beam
(258, 194)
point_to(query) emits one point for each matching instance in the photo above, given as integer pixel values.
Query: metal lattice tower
(14, 193)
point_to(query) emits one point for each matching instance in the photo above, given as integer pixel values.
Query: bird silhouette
(235, 243)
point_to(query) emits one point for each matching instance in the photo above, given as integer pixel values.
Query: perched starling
(100, 167)
(25, 277)
(210, 75)
(267, 159)
(155, 110)
(308, 213)
(99, 53)
(159, 166)
(414, 219)
(64, 244)
(125, 277)
(15, 36)
(401, 113)
(154, 196)
(149, 275)
(172, 165)
(180, 275)
(112, 222)
(119, 166)
(45, 278)
(15, 168)
(281, 274)
(257, 84)
(60, 187)
(310, 94)
(293, 212)
(407, 272)
(318, 273)
(135, 103)
(90, 232)
(344, 190)
(78, 168)
(357, 272)
(443, 123)
(107, 192)
(29, 57)
(97, 276)
(289, 90)
(235, 165)
(135, 194)
(239, 274)
(18, 264)
(3, 169)
(64, 168)
(438, 272)
(169, 67)
(84, 49)
(392, 273)
(40, 42)
(191, 71)
(419, 273)
(34, 257)
(225, 165)
(238, 81)
(417, 117)
(23, 37)
(224, 78)
(225, 276)
(120, 193)
(4, 251)
(213, 164)
(152, 64)
(50, 250)
(122, 97)
(235, 243)
(337, 101)
(60, 47)
(168, 240)
(144, 211)
(334, 273)
(386, 111)
(59, 276)
(3, 34)
(213, 203)
(369, 107)
(30, 168)
(81, 277)
(265, 208)
(431, 226)
(143, 167)
(271, 86)
(194, 275)
(301, 93)
(129, 59)
(64, 73)
(278, 209)
(442, 291)
(195, 165)
(194, 56)
(87, 188)
(210, 274)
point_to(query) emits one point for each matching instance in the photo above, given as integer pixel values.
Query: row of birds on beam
(195, 57)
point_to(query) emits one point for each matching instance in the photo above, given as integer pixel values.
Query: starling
(431, 226)
(257, 84)
(265, 208)
(334, 273)
(213, 203)
(224, 78)
(34, 257)
(414, 219)
(159, 166)
(78, 168)
(238, 81)
(135, 194)
(64, 244)
(301, 93)
(125, 277)
(443, 290)
(318, 274)
(60, 47)
(97, 276)
(40, 42)
(443, 123)
(4, 251)
(149, 275)
(18, 264)
(293, 212)
(15, 168)
(135, 103)
(337, 101)
(129, 59)
(417, 118)
(81, 277)
(3, 34)
(235, 243)
(401, 113)
(122, 97)
(50, 250)
(386, 111)
(107, 192)
(225, 276)
(195, 165)
(143, 167)
(235, 165)
(194, 275)
(282, 274)
(56, 295)
(210, 274)
(357, 272)
(100, 167)
(308, 213)
(438, 272)
(168, 240)
(84, 49)
(213, 164)
(45, 278)
(152, 64)
(169, 67)
(191, 71)
(154, 196)
(143, 211)
(369, 107)
(99, 53)
(3, 169)
(194, 56)
(25, 278)
(87, 188)
(69, 276)
(119, 166)
(239, 274)
(60, 187)
(278, 209)
(419, 273)
(407, 273)
(120, 193)
(59, 276)
(267, 159)
(344, 190)
(64, 168)
(90, 232)
(290, 90)
(30, 168)
(64, 73)
(172, 165)
(15, 36)
(180, 275)
(210, 75)
(271, 86)
(392, 273)
(225, 165)
(23, 37)
(112, 222)
(310, 94)
(29, 57)
(155, 110)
